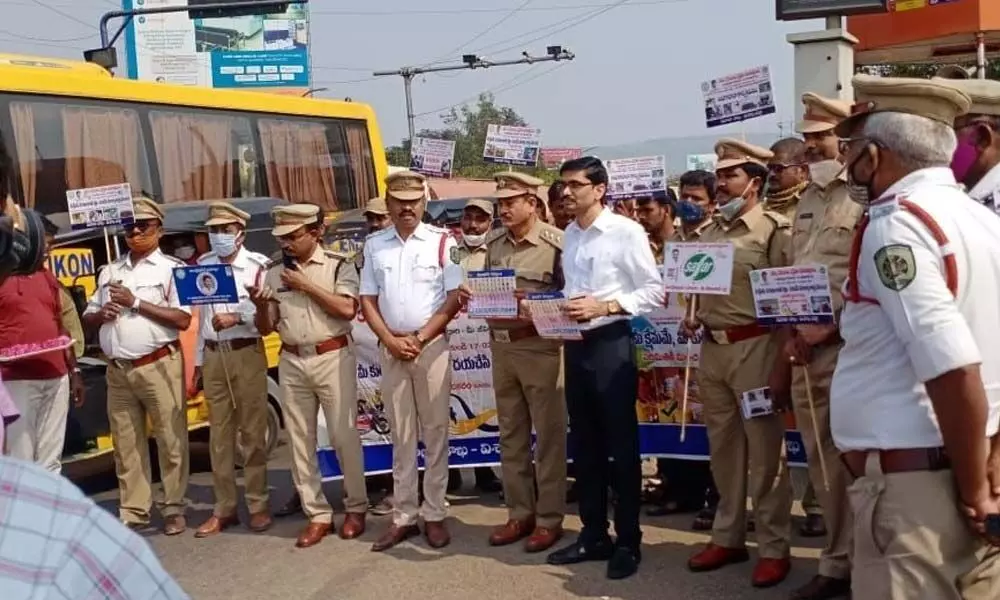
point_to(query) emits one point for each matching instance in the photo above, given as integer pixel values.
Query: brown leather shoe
(769, 572)
(260, 522)
(714, 557)
(543, 538)
(396, 534)
(216, 525)
(437, 534)
(511, 531)
(313, 534)
(353, 526)
(822, 587)
(174, 525)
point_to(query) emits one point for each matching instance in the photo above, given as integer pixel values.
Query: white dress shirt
(611, 260)
(408, 277)
(131, 335)
(987, 191)
(248, 270)
(878, 398)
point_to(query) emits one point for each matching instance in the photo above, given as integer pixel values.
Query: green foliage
(922, 70)
(467, 126)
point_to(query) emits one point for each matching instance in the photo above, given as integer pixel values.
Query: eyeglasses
(576, 186)
(140, 226)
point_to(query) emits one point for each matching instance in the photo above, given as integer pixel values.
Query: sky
(636, 76)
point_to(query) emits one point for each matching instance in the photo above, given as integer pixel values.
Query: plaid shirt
(56, 543)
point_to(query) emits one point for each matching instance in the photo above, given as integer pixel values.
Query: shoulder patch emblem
(455, 254)
(896, 266)
(878, 211)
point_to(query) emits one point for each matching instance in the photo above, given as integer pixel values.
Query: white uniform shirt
(611, 260)
(408, 277)
(878, 398)
(248, 270)
(987, 191)
(131, 335)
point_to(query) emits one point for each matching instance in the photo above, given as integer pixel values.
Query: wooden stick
(815, 425)
(687, 371)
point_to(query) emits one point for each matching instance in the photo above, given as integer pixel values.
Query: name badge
(756, 403)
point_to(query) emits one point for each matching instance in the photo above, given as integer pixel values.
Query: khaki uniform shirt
(824, 225)
(71, 321)
(300, 320)
(535, 260)
(761, 239)
(472, 259)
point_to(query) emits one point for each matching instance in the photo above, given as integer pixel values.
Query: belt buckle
(501, 335)
(224, 345)
(720, 336)
(121, 363)
(308, 351)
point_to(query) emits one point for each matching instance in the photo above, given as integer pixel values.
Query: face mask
(223, 244)
(184, 252)
(964, 158)
(689, 212)
(143, 242)
(732, 208)
(859, 191)
(474, 241)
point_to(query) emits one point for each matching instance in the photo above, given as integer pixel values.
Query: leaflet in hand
(548, 317)
(492, 294)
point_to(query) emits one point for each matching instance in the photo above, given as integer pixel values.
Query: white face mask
(184, 252)
(223, 244)
(474, 241)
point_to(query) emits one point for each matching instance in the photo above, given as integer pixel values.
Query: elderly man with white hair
(915, 400)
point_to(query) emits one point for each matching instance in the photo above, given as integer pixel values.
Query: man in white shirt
(409, 293)
(139, 315)
(976, 162)
(231, 360)
(915, 397)
(610, 275)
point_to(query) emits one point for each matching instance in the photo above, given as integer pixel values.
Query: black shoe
(624, 562)
(486, 481)
(579, 552)
(292, 507)
(571, 494)
(813, 526)
(454, 480)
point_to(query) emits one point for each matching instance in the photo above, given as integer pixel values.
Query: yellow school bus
(69, 125)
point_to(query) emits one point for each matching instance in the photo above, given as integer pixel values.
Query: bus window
(202, 157)
(62, 146)
(362, 163)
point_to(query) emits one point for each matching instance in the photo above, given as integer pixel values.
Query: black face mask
(22, 250)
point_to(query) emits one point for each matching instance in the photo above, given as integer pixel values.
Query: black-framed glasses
(140, 226)
(576, 186)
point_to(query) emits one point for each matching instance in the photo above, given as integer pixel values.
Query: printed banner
(269, 52)
(701, 162)
(738, 97)
(103, 206)
(552, 158)
(492, 294)
(698, 268)
(636, 177)
(789, 295)
(205, 284)
(432, 157)
(509, 145)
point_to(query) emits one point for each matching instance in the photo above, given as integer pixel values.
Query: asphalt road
(240, 564)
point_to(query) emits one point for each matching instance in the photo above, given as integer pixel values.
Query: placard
(698, 268)
(205, 284)
(658, 338)
(738, 97)
(509, 145)
(492, 294)
(102, 206)
(636, 177)
(547, 314)
(432, 157)
(702, 162)
(553, 158)
(788, 295)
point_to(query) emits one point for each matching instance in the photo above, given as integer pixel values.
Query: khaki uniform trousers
(154, 390)
(726, 371)
(528, 385)
(235, 384)
(417, 394)
(834, 560)
(326, 382)
(912, 543)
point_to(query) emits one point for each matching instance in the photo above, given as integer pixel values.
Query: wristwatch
(614, 308)
(135, 304)
(420, 339)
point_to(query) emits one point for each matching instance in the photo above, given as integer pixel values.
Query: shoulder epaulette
(205, 256)
(780, 221)
(435, 229)
(258, 259)
(334, 254)
(496, 234)
(177, 262)
(552, 235)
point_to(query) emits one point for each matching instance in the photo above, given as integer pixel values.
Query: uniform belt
(147, 359)
(505, 336)
(740, 333)
(315, 350)
(228, 345)
(898, 461)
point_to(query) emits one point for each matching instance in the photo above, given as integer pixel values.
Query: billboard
(794, 10)
(253, 52)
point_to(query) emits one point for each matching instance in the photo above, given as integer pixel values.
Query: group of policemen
(899, 397)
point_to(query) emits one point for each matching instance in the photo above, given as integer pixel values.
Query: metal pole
(408, 89)
(981, 55)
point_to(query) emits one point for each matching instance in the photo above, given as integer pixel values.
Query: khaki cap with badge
(513, 184)
(145, 209)
(289, 217)
(821, 114)
(933, 99)
(984, 94)
(224, 213)
(483, 204)
(733, 153)
(406, 186)
(376, 206)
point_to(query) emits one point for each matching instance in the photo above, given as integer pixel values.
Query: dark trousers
(688, 482)
(601, 388)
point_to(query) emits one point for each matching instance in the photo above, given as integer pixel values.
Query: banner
(701, 162)
(552, 158)
(738, 97)
(790, 295)
(102, 206)
(509, 145)
(698, 267)
(432, 157)
(262, 52)
(636, 177)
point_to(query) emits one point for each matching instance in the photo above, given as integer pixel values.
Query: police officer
(409, 294)
(139, 315)
(310, 299)
(977, 159)
(916, 393)
(231, 360)
(527, 374)
(821, 235)
(788, 175)
(736, 358)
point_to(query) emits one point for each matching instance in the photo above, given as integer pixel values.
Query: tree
(922, 70)
(467, 126)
